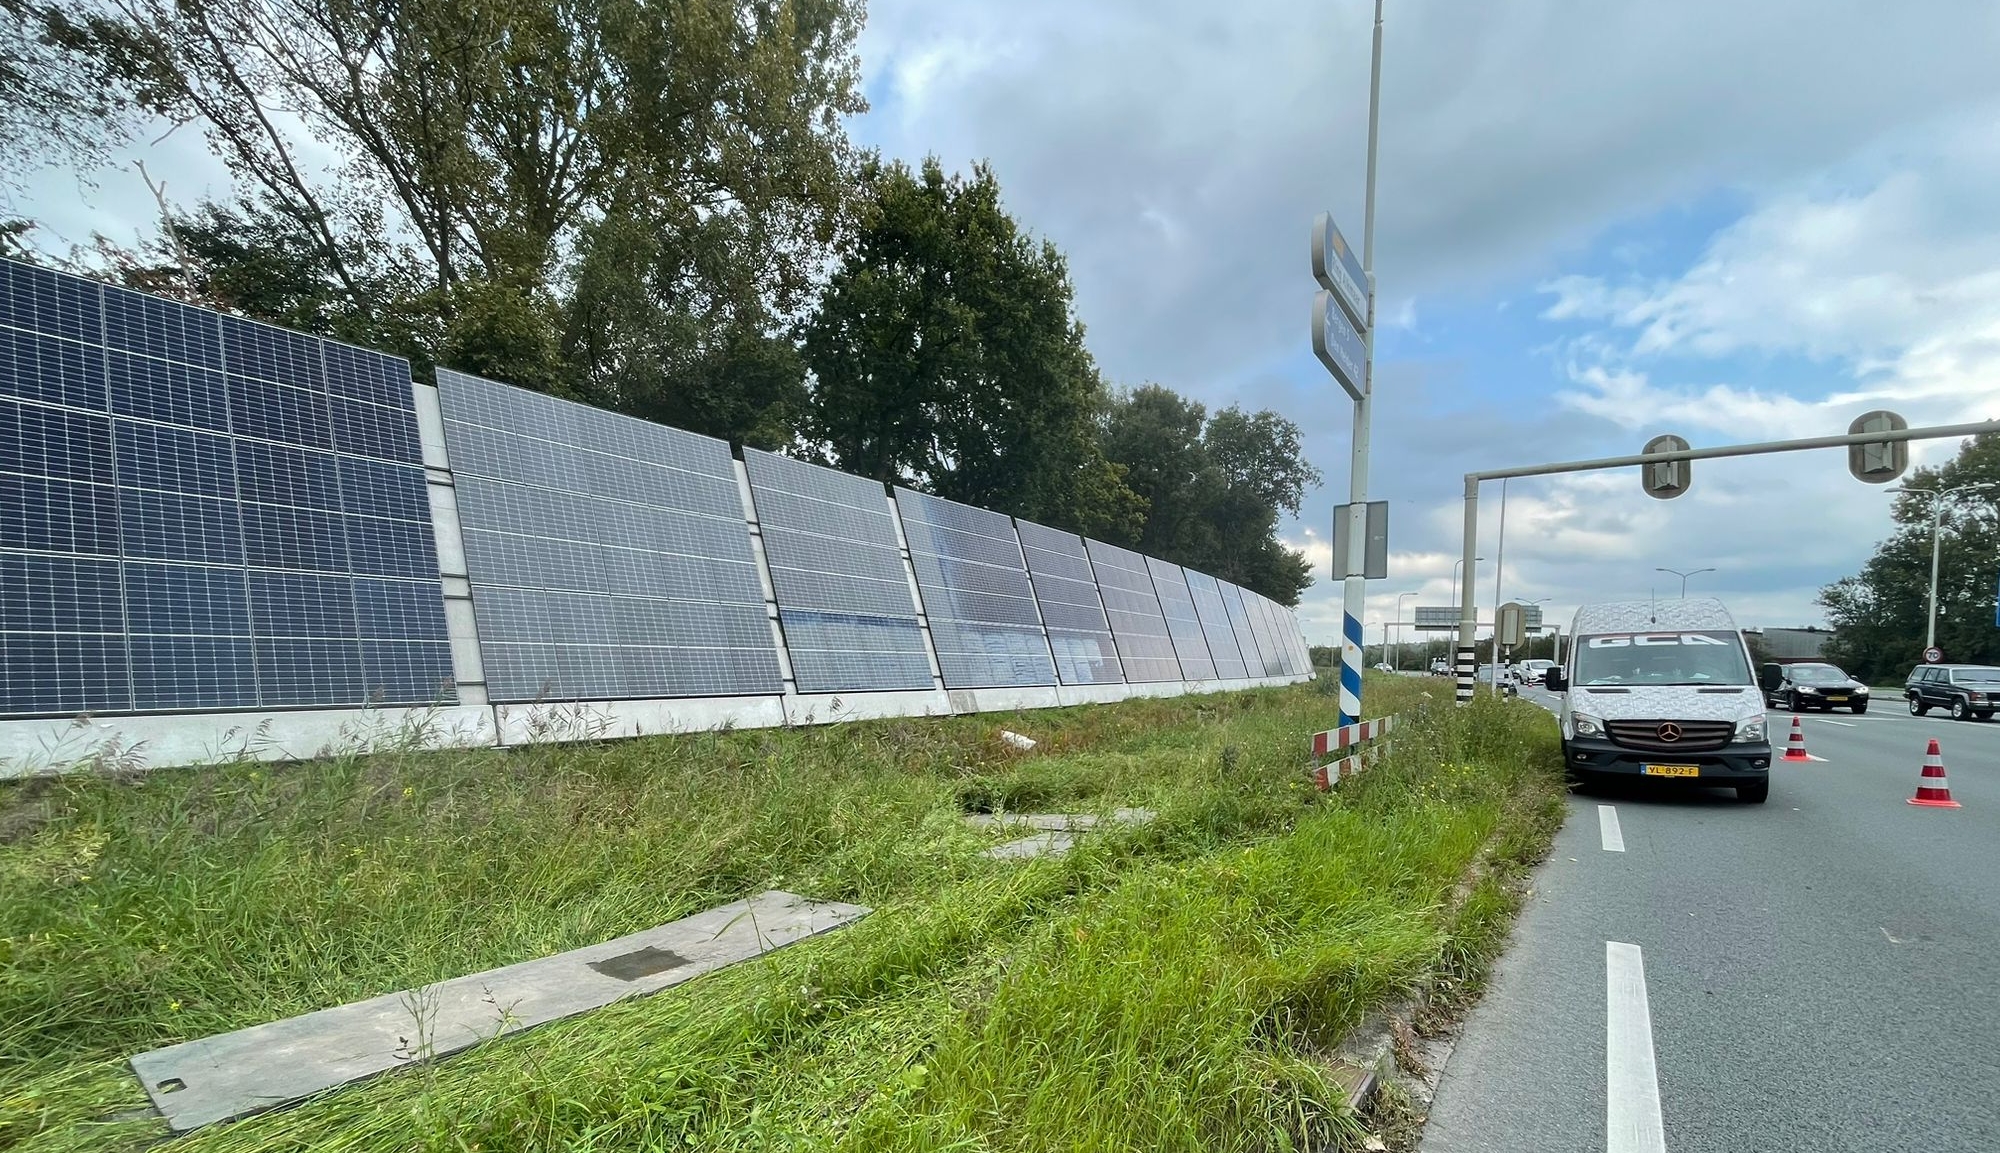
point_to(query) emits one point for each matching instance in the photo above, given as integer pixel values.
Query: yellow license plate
(1672, 770)
(1838, 700)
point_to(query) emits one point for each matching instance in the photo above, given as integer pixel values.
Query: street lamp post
(1938, 498)
(1684, 576)
(1399, 629)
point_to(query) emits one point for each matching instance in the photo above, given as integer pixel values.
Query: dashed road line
(1632, 1122)
(1831, 721)
(1608, 831)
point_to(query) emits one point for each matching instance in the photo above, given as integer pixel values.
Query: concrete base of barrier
(1003, 700)
(829, 708)
(31, 747)
(555, 722)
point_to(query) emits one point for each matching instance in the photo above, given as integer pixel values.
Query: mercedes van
(1663, 691)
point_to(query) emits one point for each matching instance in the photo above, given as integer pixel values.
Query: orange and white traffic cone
(1932, 788)
(1795, 746)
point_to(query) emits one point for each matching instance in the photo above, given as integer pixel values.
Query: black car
(1811, 685)
(1962, 690)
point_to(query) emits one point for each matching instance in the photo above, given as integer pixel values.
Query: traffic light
(1669, 478)
(1878, 462)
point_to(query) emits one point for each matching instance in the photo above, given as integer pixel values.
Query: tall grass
(1171, 986)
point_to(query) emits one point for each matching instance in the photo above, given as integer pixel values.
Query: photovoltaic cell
(1177, 603)
(1132, 607)
(1215, 626)
(1066, 591)
(607, 555)
(170, 479)
(977, 596)
(843, 595)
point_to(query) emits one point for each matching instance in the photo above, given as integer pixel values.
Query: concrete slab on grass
(1058, 830)
(1053, 821)
(1052, 844)
(234, 1074)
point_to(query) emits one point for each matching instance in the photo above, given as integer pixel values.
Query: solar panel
(1132, 606)
(984, 622)
(1066, 591)
(608, 556)
(1267, 636)
(1235, 603)
(1208, 607)
(1183, 626)
(843, 594)
(170, 478)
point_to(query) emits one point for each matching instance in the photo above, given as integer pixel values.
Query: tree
(624, 200)
(1214, 486)
(60, 106)
(1879, 615)
(945, 356)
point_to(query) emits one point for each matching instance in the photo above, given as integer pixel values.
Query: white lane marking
(1831, 721)
(1608, 830)
(1632, 1121)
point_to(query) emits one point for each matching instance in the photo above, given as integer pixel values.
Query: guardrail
(1327, 774)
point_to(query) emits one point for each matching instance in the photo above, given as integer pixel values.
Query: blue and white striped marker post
(1350, 670)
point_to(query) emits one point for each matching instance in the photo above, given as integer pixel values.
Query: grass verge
(1172, 986)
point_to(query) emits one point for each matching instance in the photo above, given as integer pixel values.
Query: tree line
(1880, 614)
(651, 207)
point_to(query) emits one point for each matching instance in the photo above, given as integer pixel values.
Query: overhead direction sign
(1338, 345)
(1437, 619)
(1337, 270)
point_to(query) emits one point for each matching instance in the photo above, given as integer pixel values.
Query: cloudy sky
(1597, 222)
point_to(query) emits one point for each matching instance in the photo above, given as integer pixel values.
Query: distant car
(1961, 690)
(1811, 685)
(1384, 667)
(1440, 667)
(1531, 672)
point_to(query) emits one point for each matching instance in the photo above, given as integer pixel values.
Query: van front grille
(1694, 736)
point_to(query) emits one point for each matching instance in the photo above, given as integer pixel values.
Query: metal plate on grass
(235, 1074)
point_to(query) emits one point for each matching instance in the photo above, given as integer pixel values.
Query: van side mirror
(1772, 678)
(1555, 680)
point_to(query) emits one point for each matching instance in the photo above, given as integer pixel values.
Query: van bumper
(1733, 764)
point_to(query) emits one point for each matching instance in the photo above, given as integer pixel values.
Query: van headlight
(1751, 729)
(1586, 726)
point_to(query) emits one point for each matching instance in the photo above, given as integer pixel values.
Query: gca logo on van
(1649, 640)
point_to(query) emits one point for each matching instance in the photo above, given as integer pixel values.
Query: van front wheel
(1755, 794)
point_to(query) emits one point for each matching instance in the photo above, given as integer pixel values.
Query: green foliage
(621, 200)
(1168, 986)
(944, 355)
(1879, 614)
(1214, 486)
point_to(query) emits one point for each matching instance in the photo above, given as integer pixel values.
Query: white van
(1663, 690)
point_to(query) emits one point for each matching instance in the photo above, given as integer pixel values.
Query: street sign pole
(1354, 594)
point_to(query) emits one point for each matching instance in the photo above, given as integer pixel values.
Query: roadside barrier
(1327, 774)
(1795, 746)
(1932, 788)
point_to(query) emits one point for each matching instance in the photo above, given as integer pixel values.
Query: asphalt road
(1820, 972)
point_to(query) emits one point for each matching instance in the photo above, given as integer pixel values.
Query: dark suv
(1811, 685)
(1962, 690)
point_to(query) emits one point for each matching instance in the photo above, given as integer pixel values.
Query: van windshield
(1682, 658)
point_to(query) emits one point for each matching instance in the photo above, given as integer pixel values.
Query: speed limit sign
(1933, 655)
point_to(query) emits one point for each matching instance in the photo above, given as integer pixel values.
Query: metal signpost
(1343, 337)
